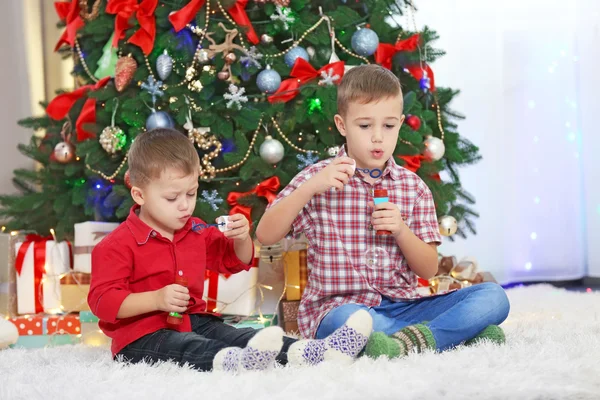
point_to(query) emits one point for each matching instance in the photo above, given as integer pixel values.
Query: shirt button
(370, 227)
(153, 234)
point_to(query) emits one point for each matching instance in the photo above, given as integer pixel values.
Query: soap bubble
(376, 258)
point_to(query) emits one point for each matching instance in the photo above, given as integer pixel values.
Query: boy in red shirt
(134, 271)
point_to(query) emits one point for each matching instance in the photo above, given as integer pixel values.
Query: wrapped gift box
(74, 289)
(39, 263)
(87, 235)
(44, 330)
(8, 277)
(288, 311)
(255, 321)
(231, 294)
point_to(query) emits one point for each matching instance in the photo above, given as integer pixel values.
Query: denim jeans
(197, 348)
(453, 318)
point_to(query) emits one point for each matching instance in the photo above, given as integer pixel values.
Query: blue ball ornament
(159, 119)
(268, 81)
(291, 56)
(365, 42)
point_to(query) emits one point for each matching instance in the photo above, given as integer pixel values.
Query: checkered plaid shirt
(338, 227)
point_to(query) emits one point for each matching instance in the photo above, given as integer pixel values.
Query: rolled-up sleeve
(220, 254)
(424, 223)
(112, 266)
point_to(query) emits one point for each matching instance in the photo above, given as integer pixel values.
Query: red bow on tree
(417, 72)
(144, 12)
(68, 12)
(267, 189)
(385, 51)
(302, 73)
(60, 106)
(184, 16)
(413, 163)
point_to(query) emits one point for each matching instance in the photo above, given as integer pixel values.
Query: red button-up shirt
(134, 258)
(341, 239)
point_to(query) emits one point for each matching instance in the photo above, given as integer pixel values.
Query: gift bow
(39, 265)
(144, 12)
(386, 51)
(303, 72)
(185, 15)
(413, 163)
(60, 106)
(267, 189)
(68, 11)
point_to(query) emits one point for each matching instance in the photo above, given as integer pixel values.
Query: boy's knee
(496, 297)
(337, 317)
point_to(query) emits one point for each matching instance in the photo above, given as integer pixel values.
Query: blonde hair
(367, 83)
(154, 151)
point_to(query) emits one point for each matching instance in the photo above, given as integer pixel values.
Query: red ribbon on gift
(418, 72)
(39, 265)
(144, 13)
(267, 189)
(60, 106)
(386, 51)
(184, 16)
(213, 289)
(68, 12)
(302, 73)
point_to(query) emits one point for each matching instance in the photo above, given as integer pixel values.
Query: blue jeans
(197, 348)
(453, 318)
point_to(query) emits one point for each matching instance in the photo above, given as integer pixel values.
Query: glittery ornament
(332, 151)
(203, 56)
(268, 80)
(124, 71)
(365, 42)
(112, 139)
(164, 65)
(291, 56)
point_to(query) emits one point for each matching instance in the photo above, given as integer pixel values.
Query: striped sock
(493, 333)
(414, 338)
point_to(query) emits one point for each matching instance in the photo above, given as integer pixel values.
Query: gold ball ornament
(64, 152)
(195, 86)
(112, 139)
(448, 225)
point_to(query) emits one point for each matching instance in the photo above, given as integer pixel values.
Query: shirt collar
(391, 168)
(142, 231)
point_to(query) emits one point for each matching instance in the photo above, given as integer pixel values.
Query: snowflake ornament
(212, 199)
(329, 78)
(283, 14)
(252, 57)
(235, 96)
(306, 160)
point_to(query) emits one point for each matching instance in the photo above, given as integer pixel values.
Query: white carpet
(553, 352)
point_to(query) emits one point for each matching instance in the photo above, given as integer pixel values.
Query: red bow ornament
(144, 12)
(303, 72)
(413, 163)
(68, 12)
(185, 15)
(385, 51)
(267, 189)
(60, 106)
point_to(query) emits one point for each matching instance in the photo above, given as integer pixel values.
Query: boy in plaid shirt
(332, 203)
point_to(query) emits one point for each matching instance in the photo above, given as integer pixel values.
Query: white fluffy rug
(553, 352)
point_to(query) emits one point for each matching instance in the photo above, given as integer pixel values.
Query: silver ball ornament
(64, 152)
(159, 119)
(365, 42)
(271, 150)
(332, 151)
(434, 148)
(291, 56)
(164, 65)
(268, 81)
(448, 225)
(203, 57)
(266, 39)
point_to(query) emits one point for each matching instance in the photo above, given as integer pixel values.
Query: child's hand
(239, 228)
(336, 175)
(387, 217)
(172, 298)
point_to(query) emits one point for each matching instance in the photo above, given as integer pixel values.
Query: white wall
(528, 74)
(15, 97)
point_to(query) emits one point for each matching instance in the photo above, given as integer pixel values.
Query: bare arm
(421, 257)
(277, 220)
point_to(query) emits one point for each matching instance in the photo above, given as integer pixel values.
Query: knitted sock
(492, 333)
(415, 338)
(342, 346)
(258, 355)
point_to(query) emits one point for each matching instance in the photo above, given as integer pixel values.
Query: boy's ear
(402, 118)
(138, 195)
(339, 123)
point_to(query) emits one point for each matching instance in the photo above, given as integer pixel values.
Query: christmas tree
(253, 84)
